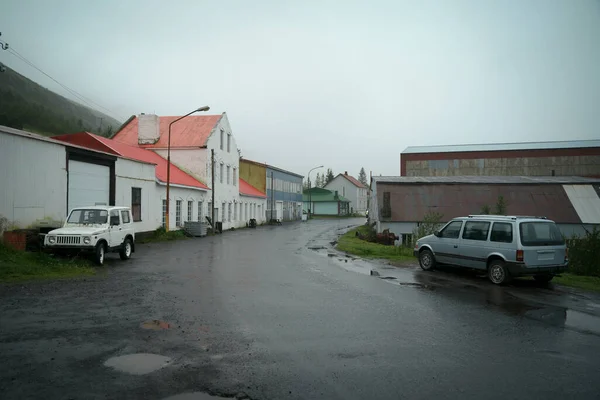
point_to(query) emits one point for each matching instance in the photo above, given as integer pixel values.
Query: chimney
(345, 172)
(148, 129)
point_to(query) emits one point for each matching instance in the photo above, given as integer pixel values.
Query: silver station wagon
(505, 247)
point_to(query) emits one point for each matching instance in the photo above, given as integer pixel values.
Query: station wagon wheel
(498, 273)
(100, 252)
(125, 252)
(426, 260)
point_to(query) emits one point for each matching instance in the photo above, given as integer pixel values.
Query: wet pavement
(276, 313)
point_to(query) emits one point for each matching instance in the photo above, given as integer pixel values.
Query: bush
(431, 223)
(584, 254)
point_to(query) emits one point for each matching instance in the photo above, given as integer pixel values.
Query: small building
(283, 189)
(401, 203)
(352, 189)
(560, 158)
(43, 178)
(318, 201)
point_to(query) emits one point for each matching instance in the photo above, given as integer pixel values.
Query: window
(452, 230)
(229, 142)
(88, 217)
(114, 218)
(178, 213)
(190, 209)
(235, 207)
(222, 138)
(164, 213)
(386, 210)
(540, 234)
(125, 216)
(246, 210)
(259, 209)
(228, 171)
(476, 230)
(199, 211)
(502, 232)
(221, 174)
(223, 212)
(136, 203)
(229, 212)
(210, 210)
(235, 179)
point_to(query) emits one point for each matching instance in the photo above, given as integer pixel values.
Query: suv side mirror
(436, 233)
(114, 220)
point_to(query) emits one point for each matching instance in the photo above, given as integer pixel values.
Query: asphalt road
(274, 313)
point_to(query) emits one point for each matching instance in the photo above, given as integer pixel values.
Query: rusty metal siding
(411, 202)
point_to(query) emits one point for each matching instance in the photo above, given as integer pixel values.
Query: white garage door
(89, 184)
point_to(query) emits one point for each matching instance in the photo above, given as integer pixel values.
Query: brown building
(400, 203)
(564, 158)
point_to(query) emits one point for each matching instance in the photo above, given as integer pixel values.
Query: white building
(43, 178)
(195, 140)
(353, 190)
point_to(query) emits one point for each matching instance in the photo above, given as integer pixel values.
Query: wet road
(273, 313)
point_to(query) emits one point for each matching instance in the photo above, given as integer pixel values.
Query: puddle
(155, 325)
(138, 364)
(196, 396)
(317, 247)
(387, 277)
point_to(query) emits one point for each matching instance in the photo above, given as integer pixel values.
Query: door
(89, 184)
(446, 246)
(117, 234)
(474, 245)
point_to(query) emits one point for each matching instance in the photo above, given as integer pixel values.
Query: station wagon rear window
(540, 234)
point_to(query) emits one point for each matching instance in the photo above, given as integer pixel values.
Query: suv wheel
(126, 248)
(100, 253)
(498, 273)
(543, 278)
(426, 260)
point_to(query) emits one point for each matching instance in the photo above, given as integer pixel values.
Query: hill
(26, 105)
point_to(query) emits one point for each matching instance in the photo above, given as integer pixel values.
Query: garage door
(89, 184)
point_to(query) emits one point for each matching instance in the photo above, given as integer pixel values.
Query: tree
(486, 210)
(109, 131)
(329, 176)
(362, 177)
(432, 221)
(501, 206)
(317, 181)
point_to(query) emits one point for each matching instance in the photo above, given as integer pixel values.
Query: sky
(344, 84)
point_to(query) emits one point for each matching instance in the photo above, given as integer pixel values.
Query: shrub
(584, 254)
(431, 223)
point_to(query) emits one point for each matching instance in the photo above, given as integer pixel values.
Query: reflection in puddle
(138, 364)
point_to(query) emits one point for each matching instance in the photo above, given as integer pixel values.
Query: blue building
(283, 189)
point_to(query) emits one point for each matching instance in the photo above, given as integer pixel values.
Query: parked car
(95, 230)
(504, 246)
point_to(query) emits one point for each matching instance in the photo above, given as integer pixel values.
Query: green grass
(353, 245)
(21, 266)
(161, 235)
(591, 283)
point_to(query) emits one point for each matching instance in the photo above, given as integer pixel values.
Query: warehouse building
(401, 203)
(562, 158)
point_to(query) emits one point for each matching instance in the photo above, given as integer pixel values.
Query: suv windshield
(85, 216)
(540, 234)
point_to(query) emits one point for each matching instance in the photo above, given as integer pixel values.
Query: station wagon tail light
(519, 255)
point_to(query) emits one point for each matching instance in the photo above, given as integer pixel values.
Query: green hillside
(26, 105)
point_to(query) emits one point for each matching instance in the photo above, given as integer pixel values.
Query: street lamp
(309, 191)
(205, 108)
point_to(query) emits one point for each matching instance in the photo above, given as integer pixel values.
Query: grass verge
(18, 265)
(353, 245)
(591, 283)
(161, 235)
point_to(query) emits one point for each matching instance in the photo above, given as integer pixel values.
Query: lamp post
(205, 108)
(309, 192)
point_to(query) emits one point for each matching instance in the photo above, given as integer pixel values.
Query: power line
(90, 103)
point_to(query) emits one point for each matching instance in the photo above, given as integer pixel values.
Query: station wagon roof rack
(507, 216)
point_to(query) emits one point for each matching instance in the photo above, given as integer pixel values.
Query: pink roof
(91, 141)
(192, 131)
(247, 189)
(353, 180)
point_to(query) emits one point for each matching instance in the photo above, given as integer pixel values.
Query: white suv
(96, 230)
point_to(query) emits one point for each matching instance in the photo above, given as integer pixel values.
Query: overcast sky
(340, 83)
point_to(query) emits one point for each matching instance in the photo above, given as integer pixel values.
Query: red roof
(247, 189)
(354, 181)
(91, 141)
(192, 131)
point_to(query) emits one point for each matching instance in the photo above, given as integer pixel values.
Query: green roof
(322, 195)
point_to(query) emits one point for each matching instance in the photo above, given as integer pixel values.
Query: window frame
(479, 239)
(512, 234)
(136, 216)
(441, 234)
(190, 210)
(178, 213)
(123, 214)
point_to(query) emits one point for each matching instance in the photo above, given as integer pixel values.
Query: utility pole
(272, 196)
(101, 118)
(212, 212)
